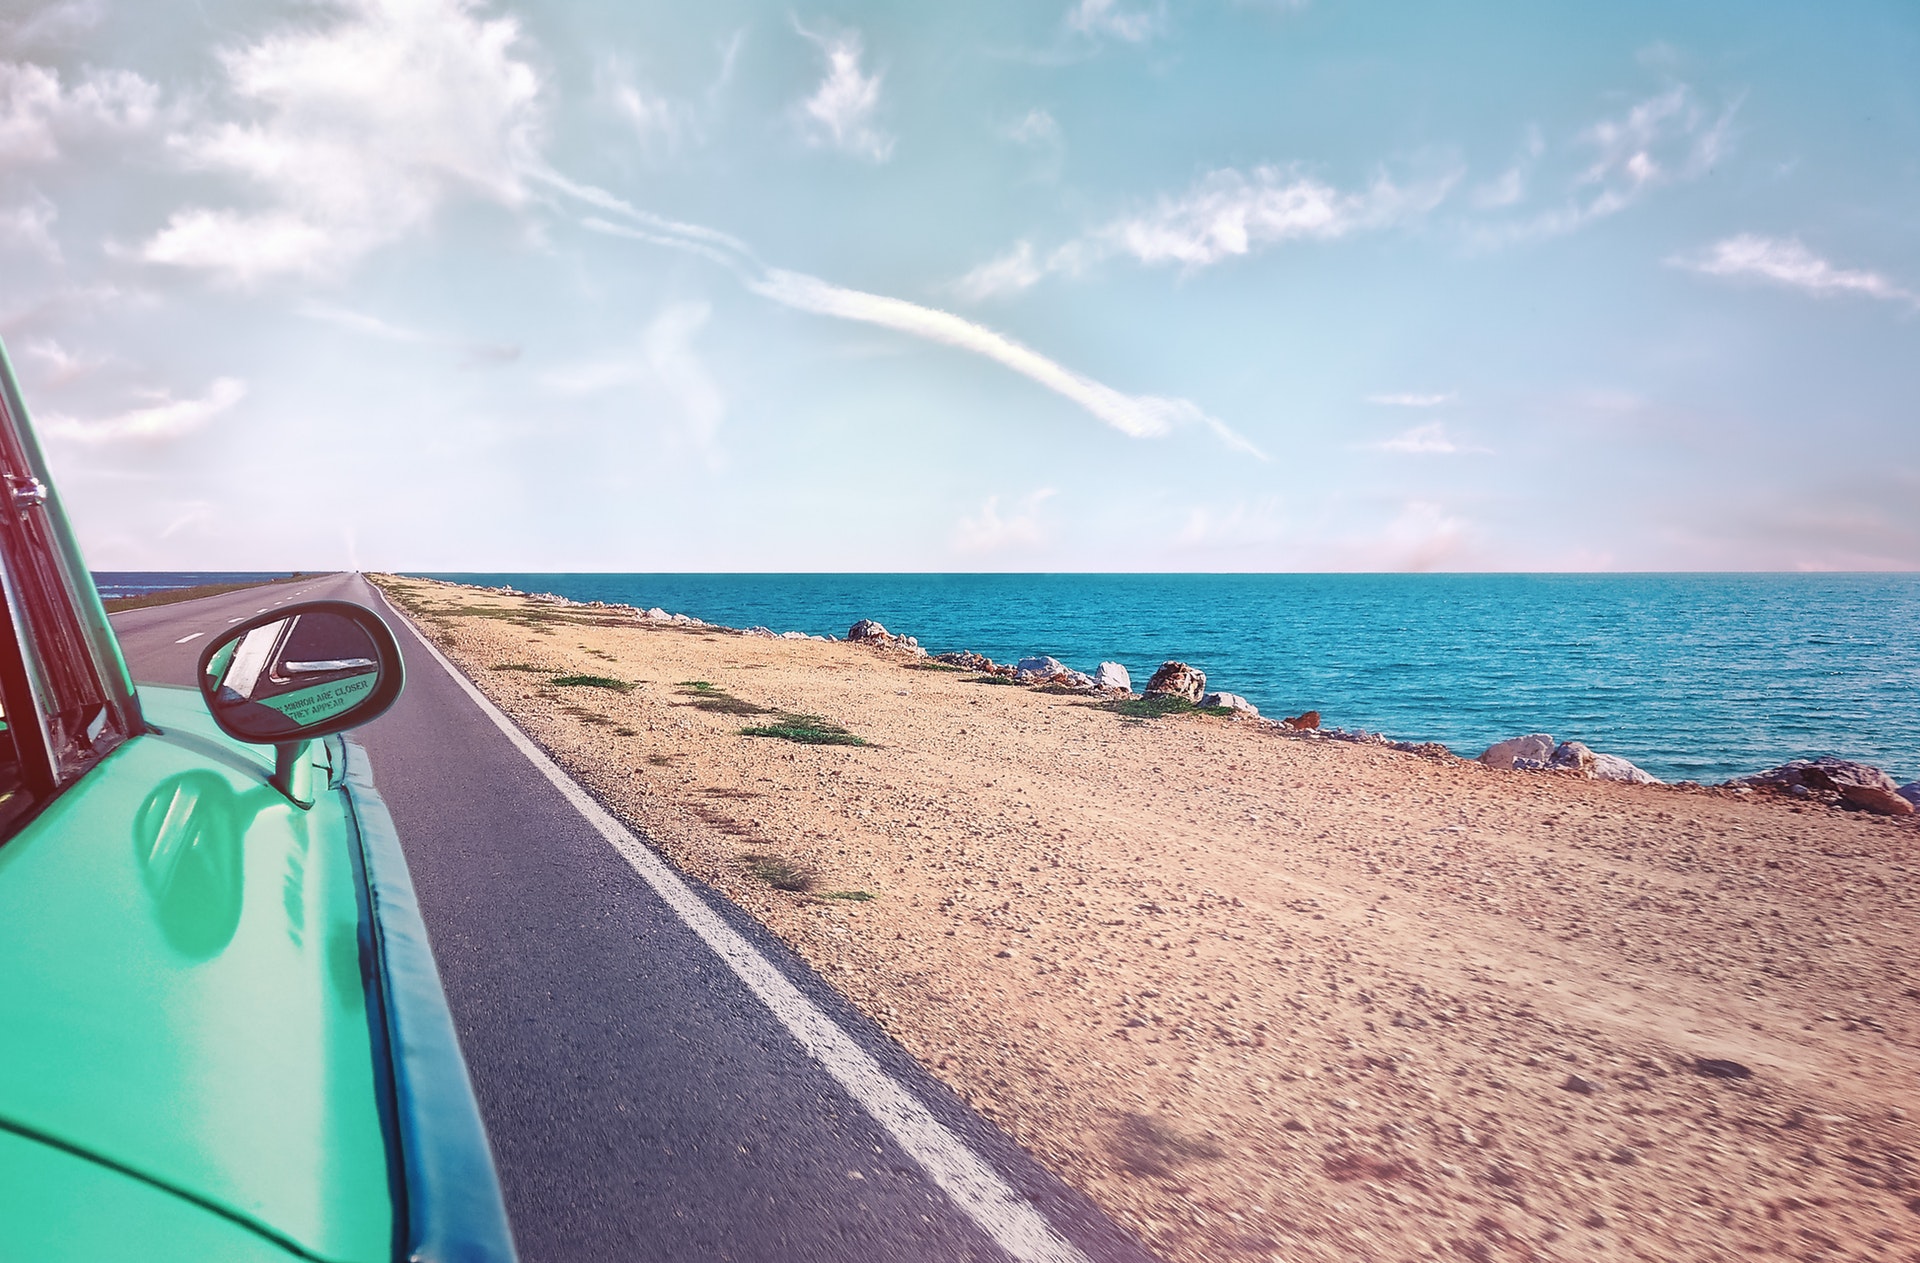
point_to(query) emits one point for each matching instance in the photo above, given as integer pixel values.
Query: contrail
(1137, 416)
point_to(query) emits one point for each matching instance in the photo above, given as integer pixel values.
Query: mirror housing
(303, 671)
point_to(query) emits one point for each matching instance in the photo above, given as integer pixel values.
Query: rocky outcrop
(1535, 748)
(1911, 792)
(1233, 702)
(1041, 668)
(967, 660)
(1574, 756)
(1859, 785)
(868, 632)
(1111, 677)
(1177, 679)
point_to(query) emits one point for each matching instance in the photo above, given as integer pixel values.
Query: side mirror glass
(305, 671)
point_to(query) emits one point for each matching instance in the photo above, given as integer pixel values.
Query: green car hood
(55, 1205)
(185, 1005)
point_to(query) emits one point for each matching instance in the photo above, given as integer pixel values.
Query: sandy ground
(1267, 998)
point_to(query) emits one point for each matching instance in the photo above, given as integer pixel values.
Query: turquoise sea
(1698, 677)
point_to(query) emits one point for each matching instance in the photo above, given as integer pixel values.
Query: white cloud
(1106, 18)
(53, 24)
(61, 366)
(1137, 416)
(1430, 439)
(29, 226)
(1227, 214)
(359, 131)
(658, 121)
(840, 113)
(1037, 129)
(1661, 140)
(166, 418)
(1413, 400)
(375, 327)
(988, 532)
(1008, 274)
(37, 109)
(1788, 262)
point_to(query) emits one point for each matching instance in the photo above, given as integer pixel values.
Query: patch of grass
(1161, 707)
(810, 730)
(521, 666)
(621, 730)
(854, 896)
(665, 760)
(591, 682)
(935, 666)
(586, 716)
(778, 871)
(993, 679)
(717, 701)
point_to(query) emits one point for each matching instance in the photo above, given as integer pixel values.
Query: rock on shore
(1857, 784)
(1111, 677)
(1177, 679)
(1537, 752)
(1233, 702)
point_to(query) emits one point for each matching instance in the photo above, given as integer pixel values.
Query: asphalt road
(643, 1103)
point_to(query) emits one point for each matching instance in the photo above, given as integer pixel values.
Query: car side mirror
(293, 674)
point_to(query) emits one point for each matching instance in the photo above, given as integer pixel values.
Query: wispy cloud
(1227, 214)
(1664, 139)
(665, 371)
(374, 327)
(1430, 439)
(658, 121)
(989, 532)
(1037, 129)
(357, 133)
(59, 366)
(1011, 273)
(841, 112)
(164, 419)
(1137, 416)
(1785, 261)
(1410, 400)
(1108, 19)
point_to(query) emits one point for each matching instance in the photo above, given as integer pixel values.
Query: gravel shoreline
(1265, 997)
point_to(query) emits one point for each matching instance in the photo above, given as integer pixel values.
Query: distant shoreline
(1695, 678)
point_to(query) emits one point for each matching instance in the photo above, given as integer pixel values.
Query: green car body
(222, 1035)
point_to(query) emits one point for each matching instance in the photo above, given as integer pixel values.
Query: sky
(1105, 285)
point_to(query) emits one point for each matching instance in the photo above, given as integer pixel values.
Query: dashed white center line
(189, 636)
(231, 621)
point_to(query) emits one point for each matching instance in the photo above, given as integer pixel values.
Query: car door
(184, 955)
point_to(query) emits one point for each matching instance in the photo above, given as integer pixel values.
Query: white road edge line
(1013, 1222)
(189, 636)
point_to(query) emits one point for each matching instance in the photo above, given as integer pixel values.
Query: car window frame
(69, 698)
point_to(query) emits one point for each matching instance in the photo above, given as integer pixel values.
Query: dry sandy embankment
(1262, 997)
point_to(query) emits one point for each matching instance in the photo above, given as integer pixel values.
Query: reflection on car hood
(184, 995)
